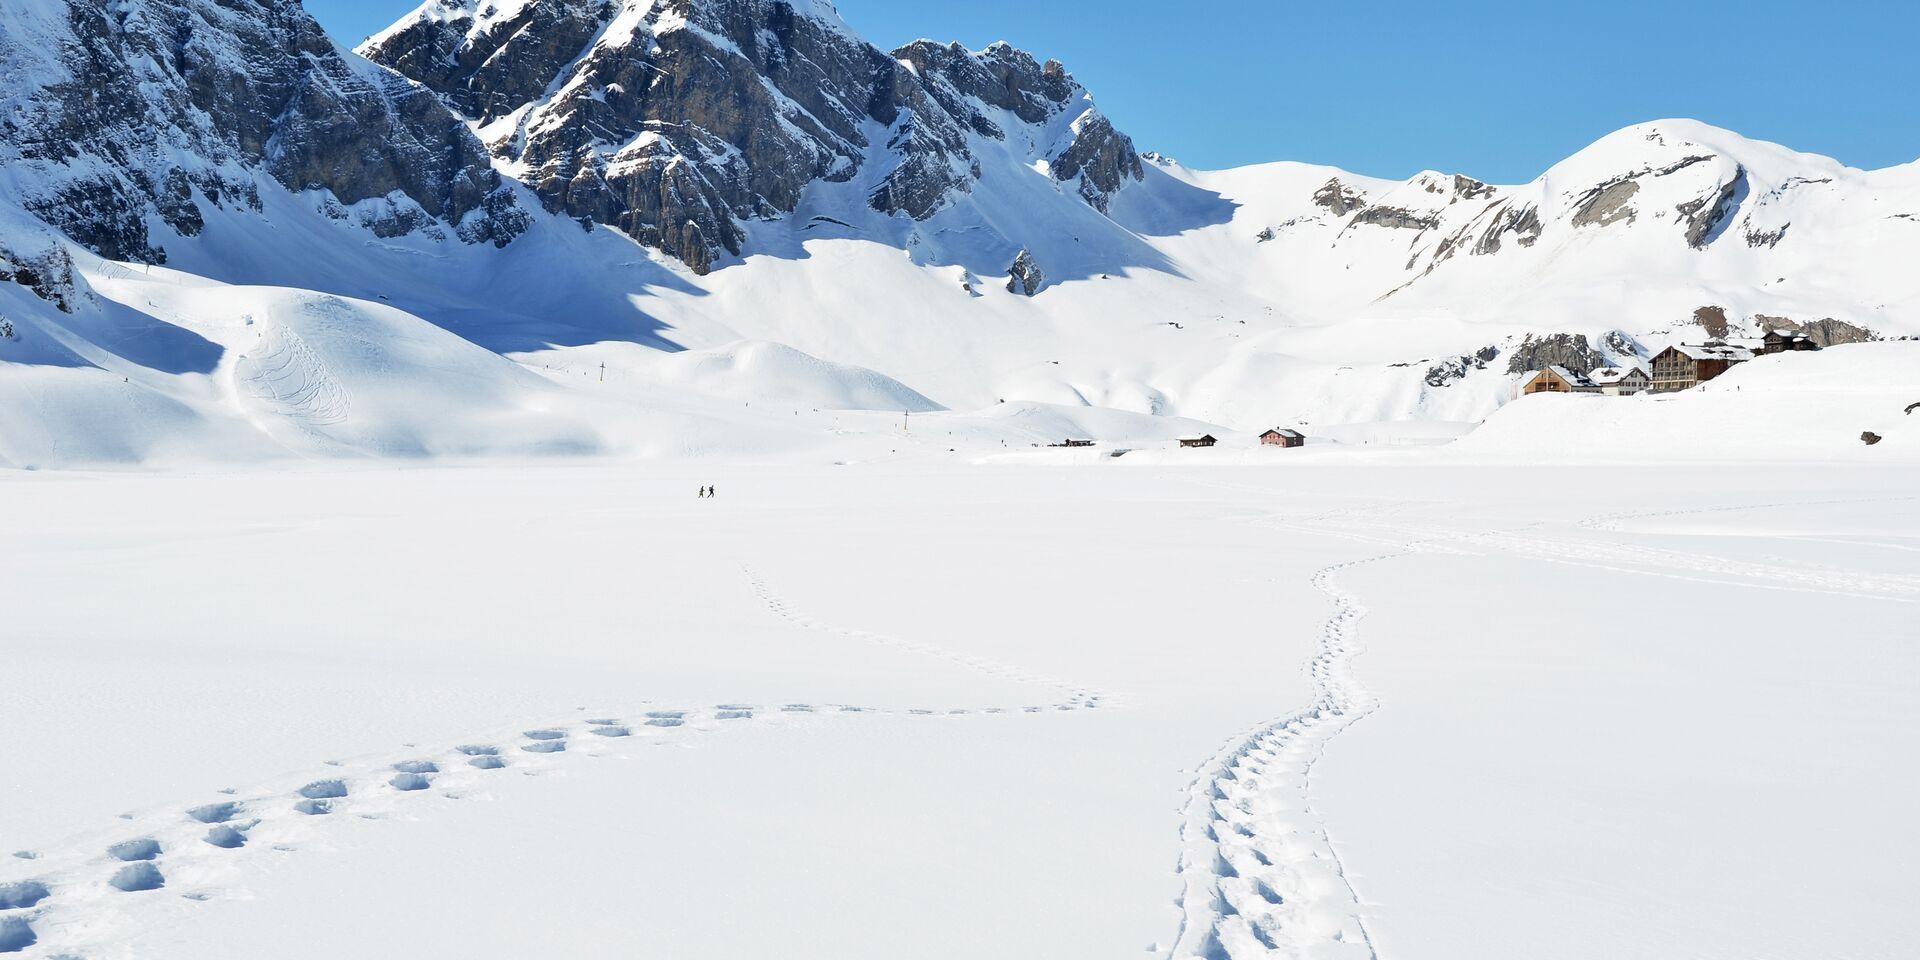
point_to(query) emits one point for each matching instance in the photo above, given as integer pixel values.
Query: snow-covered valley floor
(1334, 709)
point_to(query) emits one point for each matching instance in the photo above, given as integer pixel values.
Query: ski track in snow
(288, 379)
(1077, 696)
(196, 850)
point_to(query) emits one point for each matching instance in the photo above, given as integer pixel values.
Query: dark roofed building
(1782, 341)
(1278, 437)
(1204, 440)
(1687, 364)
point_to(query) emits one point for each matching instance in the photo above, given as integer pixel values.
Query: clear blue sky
(1498, 89)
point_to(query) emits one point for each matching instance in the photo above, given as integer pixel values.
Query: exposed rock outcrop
(1024, 276)
(1825, 332)
(1713, 320)
(1450, 371)
(1703, 215)
(1569, 350)
(676, 121)
(126, 114)
(47, 270)
(1338, 198)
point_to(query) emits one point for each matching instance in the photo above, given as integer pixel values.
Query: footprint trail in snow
(66, 899)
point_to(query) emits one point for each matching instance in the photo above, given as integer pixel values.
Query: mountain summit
(675, 120)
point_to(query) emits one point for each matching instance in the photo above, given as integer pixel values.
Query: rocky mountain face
(677, 120)
(122, 113)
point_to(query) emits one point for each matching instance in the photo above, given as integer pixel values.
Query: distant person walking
(703, 493)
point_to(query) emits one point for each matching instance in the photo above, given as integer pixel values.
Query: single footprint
(21, 895)
(215, 812)
(665, 714)
(545, 746)
(546, 734)
(324, 790)
(145, 848)
(406, 780)
(313, 808)
(798, 708)
(226, 837)
(139, 876)
(417, 766)
(16, 934)
(26, 854)
(664, 721)
(487, 762)
(478, 750)
(612, 731)
(604, 723)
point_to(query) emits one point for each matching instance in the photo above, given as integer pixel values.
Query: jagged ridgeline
(120, 112)
(676, 120)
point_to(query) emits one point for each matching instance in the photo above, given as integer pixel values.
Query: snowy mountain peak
(678, 121)
(127, 117)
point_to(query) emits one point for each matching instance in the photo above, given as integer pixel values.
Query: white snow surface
(1347, 704)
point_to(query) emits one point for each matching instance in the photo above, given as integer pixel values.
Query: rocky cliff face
(119, 113)
(677, 120)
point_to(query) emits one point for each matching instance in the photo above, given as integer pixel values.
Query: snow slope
(1799, 406)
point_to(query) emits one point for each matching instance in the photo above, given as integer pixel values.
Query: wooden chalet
(1686, 365)
(1071, 442)
(1278, 437)
(1204, 440)
(1782, 341)
(1554, 379)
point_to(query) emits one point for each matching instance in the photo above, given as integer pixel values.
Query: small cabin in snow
(1283, 438)
(1554, 379)
(1782, 341)
(1616, 381)
(1204, 440)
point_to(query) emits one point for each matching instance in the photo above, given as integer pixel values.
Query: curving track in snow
(1260, 876)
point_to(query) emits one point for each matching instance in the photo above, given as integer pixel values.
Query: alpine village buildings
(1676, 368)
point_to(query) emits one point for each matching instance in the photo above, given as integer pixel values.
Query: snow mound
(1790, 406)
(333, 375)
(165, 368)
(774, 372)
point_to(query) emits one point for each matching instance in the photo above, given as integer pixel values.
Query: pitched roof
(1572, 379)
(1287, 433)
(1713, 351)
(1605, 376)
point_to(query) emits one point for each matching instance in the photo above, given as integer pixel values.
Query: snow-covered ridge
(930, 227)
(677, 121)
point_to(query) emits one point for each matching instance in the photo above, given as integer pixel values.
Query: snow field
(1455, 708)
